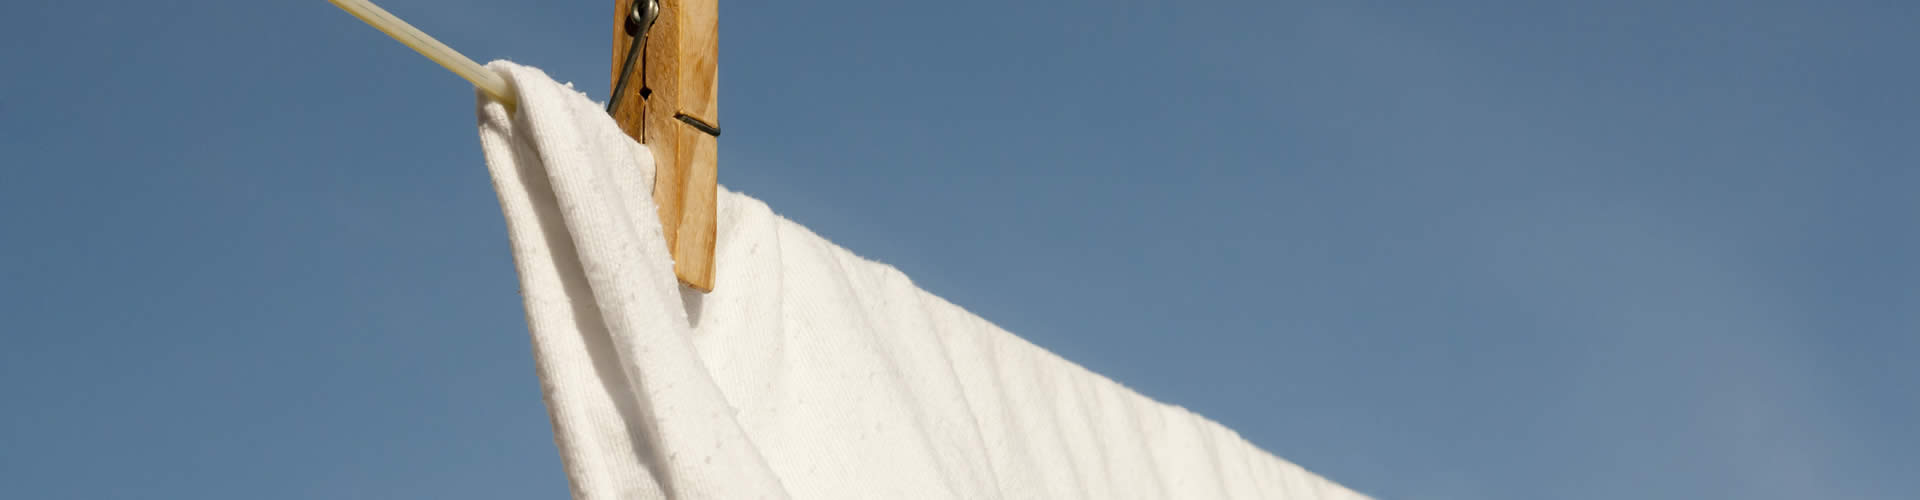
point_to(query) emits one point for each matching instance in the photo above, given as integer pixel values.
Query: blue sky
(1481, 249)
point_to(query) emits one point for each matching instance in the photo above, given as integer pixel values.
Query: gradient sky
(1440, 250)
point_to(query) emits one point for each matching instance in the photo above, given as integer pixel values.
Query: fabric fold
(808, 372)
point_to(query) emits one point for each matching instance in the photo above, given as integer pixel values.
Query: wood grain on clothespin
(670, 105)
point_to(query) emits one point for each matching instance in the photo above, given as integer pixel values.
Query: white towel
(808, 372)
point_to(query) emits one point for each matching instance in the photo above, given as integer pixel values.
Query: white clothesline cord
(380, 19)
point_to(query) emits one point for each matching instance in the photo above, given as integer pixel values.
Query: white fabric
(808, 372)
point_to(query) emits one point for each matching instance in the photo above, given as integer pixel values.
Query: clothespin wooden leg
(674, 111)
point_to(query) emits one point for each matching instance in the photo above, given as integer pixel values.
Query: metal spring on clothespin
(638, 23)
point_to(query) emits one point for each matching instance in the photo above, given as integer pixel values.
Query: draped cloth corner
(809, 372)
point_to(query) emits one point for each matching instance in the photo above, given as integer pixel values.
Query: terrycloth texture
(808, 372)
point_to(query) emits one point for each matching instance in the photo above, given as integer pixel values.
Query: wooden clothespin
(669, 104)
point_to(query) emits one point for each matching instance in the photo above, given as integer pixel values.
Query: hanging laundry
(808, 372)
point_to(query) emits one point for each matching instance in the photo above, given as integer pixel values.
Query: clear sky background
(1443, 250)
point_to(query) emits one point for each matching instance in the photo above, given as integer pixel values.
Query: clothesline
(492, 84)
